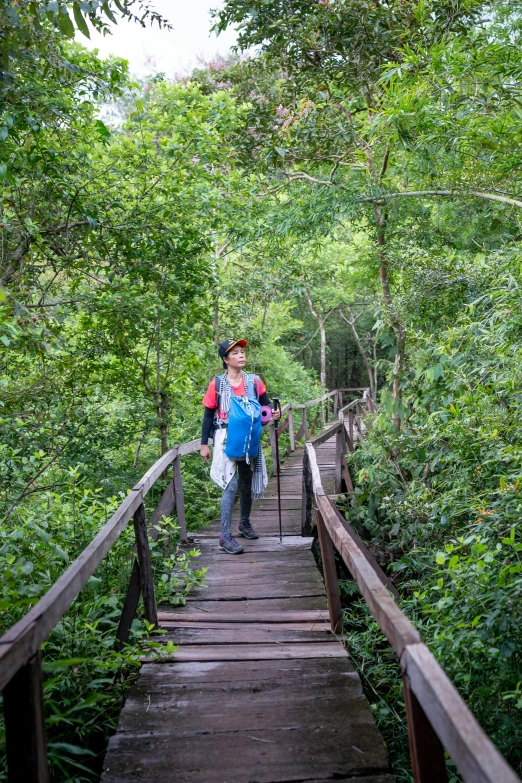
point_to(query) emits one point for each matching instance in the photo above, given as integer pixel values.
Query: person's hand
(276, 414)
(205, 452)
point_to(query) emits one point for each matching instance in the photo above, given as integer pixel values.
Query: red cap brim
(241, 344)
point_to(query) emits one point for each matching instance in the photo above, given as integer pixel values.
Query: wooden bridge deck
(259, 690)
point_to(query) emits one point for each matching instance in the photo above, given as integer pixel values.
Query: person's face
(236, 358)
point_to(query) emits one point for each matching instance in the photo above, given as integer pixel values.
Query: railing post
(307, 500)
(180, 500)
(340, 449)
(305, 423)
(330, 575)
(26, 745)
(335, 404)
(350, 426)
(145, 565)
(291, 428)
(426, 752)
(128, 613)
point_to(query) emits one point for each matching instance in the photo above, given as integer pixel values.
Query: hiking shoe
(230, 546)
(246, 530)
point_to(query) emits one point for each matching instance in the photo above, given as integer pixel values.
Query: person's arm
(208, 419)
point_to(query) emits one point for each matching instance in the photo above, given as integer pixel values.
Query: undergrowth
(440, 505)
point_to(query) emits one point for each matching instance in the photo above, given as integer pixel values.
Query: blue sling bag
(244, 425)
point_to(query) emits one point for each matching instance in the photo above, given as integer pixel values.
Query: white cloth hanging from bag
(223, 469)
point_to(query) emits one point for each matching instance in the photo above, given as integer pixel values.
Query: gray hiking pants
(244, 472)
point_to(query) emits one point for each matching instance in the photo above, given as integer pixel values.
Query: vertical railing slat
(180, 499)
(145, 565)
(330, 576)
(426, 752)
(291, 428)
(26, 746)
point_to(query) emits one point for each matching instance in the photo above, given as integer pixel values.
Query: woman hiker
(225, 472)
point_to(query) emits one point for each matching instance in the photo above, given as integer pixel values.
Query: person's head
(232, 354)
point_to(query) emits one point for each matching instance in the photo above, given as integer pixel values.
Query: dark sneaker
(230, 546)
(246, 530)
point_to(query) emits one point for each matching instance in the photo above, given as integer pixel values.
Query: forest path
(259, 689)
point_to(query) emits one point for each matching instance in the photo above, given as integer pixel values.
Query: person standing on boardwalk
(225, 472)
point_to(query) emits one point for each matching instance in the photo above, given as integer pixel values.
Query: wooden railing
(437, 716)
(20, 658)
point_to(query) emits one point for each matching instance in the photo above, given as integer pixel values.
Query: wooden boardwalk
(260, 690)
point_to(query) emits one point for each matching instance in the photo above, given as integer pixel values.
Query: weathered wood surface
(259, 689)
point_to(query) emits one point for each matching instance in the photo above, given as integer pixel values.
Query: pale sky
(176, 51)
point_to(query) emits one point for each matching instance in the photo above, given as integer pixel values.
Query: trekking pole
(277, 406)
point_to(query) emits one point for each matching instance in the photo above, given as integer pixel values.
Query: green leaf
(440, 558)
(80, 21)
(75, 749)
(109, 13)
(102, 129)
(65, 24)
(281, 151)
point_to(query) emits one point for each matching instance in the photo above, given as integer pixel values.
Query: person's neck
(235, 374)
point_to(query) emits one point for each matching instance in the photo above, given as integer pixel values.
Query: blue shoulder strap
(254, 383)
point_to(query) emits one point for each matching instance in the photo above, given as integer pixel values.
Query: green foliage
(85, 678)
(442, 500)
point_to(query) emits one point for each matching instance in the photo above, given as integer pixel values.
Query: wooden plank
(392, 622)
(239, 635)
(266, 544)
(267, 755)
(283, 616)
(180, 500)
(476, 757)
(26, 747)
(255, 652)
(129, 607)
(322, 627)
(240, 607)
(239, 592)
(145, 565)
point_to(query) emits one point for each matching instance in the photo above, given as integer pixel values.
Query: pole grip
(277, 406)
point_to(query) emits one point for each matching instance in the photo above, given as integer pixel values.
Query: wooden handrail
(20, 658)
(437, 715)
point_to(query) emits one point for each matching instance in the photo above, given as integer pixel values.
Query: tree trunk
(163, 416)
(351, 322)
(395, 320)
(322, 330)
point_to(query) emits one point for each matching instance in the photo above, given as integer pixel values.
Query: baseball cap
(227, 346)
